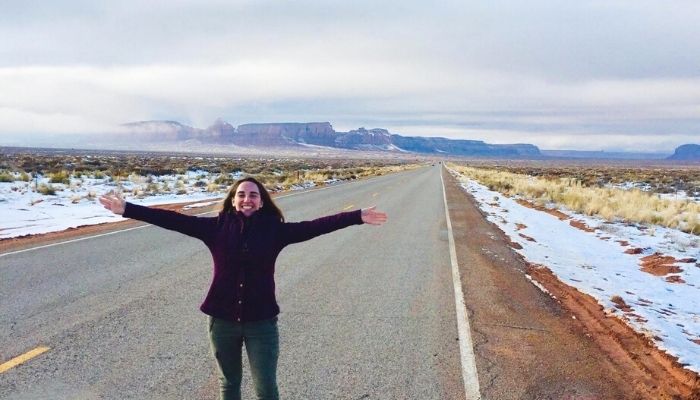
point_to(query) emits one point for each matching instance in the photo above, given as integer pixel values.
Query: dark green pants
(261, 339)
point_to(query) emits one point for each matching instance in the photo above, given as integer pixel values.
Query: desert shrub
(46, 189)
(24, 177)
(99, 174)
(139, 179)
(6, 177)
(224, 180)
(59, 177)
(314, 176)
(153, 188)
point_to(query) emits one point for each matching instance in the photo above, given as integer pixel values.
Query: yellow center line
(23, 358)
(349, 207)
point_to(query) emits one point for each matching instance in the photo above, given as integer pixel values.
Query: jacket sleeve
(199, 227)
(295, 232)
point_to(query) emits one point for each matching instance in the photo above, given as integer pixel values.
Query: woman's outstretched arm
(295, 232)
(201, 228)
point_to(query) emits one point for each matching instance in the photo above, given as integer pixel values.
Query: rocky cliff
(368, 139)
(320, 134)
(219, 132)
(285, 134)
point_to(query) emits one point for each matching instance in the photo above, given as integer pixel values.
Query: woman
(245, 240)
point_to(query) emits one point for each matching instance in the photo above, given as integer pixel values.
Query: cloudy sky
(587, 75)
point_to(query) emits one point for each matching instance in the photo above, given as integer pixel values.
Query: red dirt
(515, 245)
(581, 225)
(659, 265)
(623, 243)
(687, 260)
(696, 341)
(674, 279)
(526, 237)
(519, 226)
(635, 250)
(649, 369)
(620, 304)
(637, 317)
(534, 206)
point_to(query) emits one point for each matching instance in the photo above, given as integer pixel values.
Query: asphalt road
(367, 312)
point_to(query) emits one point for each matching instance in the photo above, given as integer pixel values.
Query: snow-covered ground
(645, 187)
(24, 211)
(595, 263)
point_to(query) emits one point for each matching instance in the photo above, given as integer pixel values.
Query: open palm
(373, 217)
(113, 202)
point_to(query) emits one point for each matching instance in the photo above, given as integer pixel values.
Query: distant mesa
(686, 152)
(299, 134)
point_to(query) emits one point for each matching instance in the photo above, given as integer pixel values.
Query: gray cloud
(555, 74)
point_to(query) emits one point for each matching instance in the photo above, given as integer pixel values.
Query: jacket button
(238, 319)
(240, 302)
(241, 285)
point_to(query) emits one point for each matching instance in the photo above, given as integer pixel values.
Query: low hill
(686, 152)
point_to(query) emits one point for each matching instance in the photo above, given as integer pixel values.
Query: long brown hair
(269, 207)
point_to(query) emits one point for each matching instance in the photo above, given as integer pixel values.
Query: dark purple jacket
(244, 250)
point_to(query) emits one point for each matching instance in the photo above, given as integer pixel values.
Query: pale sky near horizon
(588, 75)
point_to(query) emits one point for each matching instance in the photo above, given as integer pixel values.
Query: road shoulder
(529, 345)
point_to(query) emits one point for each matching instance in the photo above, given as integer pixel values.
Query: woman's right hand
(113, 202)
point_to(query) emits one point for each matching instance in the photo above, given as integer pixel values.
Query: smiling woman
(245, 240)
(246, 196)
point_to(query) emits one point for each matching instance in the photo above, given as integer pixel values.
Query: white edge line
(147, 225)
(466, 348)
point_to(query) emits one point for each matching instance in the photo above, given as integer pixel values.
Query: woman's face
(247, 198)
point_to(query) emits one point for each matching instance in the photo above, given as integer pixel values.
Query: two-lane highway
(367, 312)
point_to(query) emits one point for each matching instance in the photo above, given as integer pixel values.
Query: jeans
(261, 340)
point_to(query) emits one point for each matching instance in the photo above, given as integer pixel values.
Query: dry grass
(47, 190)
(608, 203)
(6, 177)
(284, 180)
(60, 177)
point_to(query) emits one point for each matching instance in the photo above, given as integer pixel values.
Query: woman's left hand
(372, 216)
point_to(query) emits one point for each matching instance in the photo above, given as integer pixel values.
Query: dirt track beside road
(529, 345)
